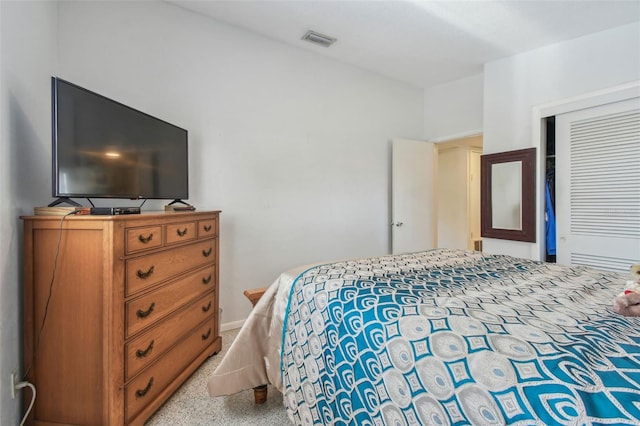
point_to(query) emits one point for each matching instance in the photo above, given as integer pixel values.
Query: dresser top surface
(145, 215)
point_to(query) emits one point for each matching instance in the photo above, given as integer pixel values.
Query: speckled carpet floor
(191, 405)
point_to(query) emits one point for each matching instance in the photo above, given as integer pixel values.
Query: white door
(598, 186)
(412, 196)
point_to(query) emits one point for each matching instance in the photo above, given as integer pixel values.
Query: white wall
(28, 48)
(515, 85)
(292, 147)
(454, 110)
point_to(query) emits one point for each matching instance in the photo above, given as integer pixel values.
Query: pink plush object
(627, 303)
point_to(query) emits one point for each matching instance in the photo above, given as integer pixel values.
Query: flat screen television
(104, 149)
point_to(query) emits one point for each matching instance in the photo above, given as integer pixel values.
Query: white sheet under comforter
(254, 357)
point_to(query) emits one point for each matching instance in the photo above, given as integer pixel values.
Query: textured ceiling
(424, 43)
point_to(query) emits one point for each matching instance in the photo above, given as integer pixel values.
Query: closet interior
(550, 190)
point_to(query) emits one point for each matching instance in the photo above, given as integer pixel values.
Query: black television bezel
(54, 149)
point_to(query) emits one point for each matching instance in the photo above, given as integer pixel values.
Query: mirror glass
(506, 200)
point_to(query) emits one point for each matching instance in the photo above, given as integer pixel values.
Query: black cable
(46, 307)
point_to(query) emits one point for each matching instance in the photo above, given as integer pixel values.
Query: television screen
(104, 149)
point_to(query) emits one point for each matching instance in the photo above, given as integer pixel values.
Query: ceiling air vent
(317, 38)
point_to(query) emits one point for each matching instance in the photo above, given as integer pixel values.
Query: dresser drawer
(143, 238)
(207, 228)
(145, 271)
(148, 385)
(144, 349)
(181, 232)
(146, 310)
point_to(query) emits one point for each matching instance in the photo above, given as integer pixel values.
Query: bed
(441, 337)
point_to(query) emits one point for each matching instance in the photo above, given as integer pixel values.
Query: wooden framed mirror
(507, 197)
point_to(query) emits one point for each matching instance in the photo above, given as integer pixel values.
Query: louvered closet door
(598, 186)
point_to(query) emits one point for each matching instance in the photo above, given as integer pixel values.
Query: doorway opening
(458, 193)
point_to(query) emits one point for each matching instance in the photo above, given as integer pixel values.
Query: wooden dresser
(131, 307)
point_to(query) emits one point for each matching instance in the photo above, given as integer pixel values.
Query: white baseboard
(231, 325)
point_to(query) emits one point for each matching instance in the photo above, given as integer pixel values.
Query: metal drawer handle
(206, 335)
(207, 228)
(206, 308)
(144, 314)
(145, 240)
(142, 392)
(145, 275)
(206, 280)
(182, 233)
(207, 253)
(143, 353)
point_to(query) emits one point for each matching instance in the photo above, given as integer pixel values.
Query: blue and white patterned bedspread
(459, 337)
